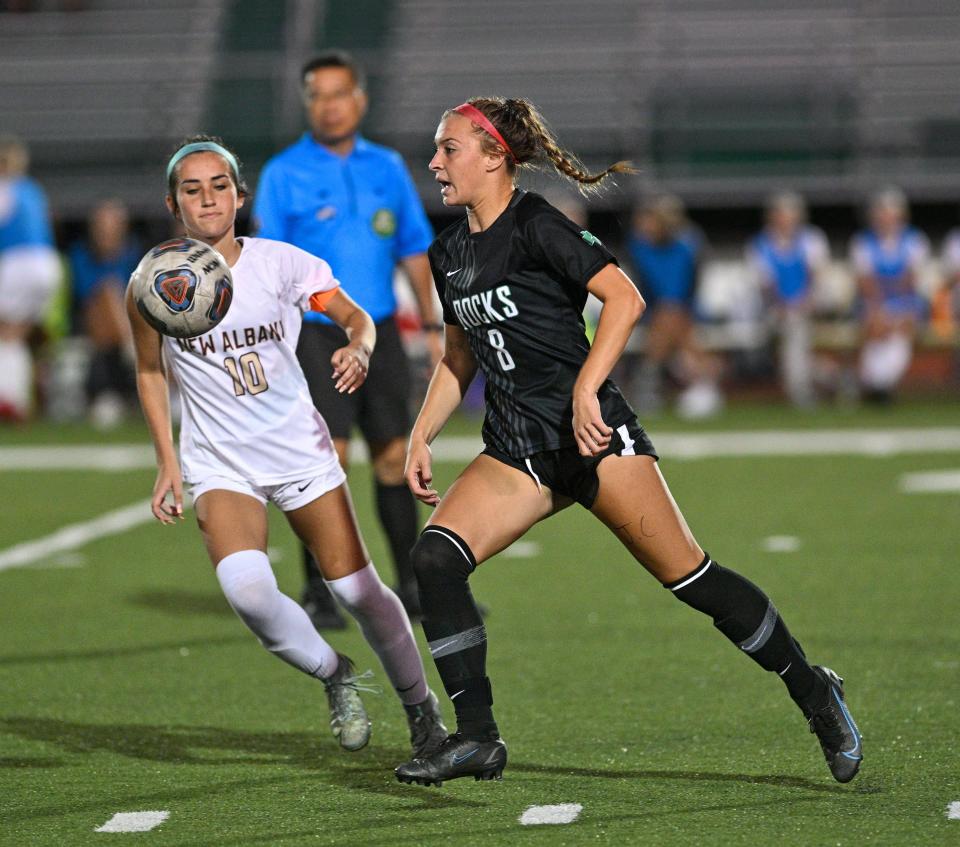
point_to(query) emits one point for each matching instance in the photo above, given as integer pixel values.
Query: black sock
(397, 510)
(454, 629)
(314, 581)
(744, 614)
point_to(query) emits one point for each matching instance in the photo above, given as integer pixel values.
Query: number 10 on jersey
(247, 374)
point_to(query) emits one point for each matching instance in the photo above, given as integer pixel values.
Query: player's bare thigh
(490, 505)
(231, 522)
(328, 528)
(635, 502)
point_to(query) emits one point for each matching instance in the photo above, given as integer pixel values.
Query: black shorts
(381, 406)
(566, 472)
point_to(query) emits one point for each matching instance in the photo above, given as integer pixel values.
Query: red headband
(481, 120)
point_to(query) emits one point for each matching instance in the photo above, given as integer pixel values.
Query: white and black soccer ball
(182, 287)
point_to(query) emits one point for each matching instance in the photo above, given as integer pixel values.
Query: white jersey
(247, 411)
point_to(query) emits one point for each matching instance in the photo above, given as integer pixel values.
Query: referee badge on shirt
(384, 222)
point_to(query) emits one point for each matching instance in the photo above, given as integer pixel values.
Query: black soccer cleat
(457, 757)
(427, 732)
(835, 729)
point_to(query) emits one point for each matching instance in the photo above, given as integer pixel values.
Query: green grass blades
(127, 684)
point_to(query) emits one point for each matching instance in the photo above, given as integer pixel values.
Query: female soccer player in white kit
(250, 434)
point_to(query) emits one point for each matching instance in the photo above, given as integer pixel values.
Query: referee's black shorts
(381, 406)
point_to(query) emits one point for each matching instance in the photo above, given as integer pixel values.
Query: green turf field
(126, 683)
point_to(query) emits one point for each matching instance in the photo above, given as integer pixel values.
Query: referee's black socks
(745, 615)
(397, 510)
(454, 628)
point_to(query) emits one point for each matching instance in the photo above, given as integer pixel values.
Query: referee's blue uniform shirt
(359, 212)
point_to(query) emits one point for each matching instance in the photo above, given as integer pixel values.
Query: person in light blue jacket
(29, 275)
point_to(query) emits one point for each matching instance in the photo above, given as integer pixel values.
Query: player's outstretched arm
(452, 377)
(351, 363)
(622, 308)
(155, 401)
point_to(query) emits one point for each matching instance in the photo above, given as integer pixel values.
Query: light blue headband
(201, 146)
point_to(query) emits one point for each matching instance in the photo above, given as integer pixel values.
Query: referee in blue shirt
(353, 203)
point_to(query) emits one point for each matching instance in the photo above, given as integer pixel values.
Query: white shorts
(286, 496)
(29, 277)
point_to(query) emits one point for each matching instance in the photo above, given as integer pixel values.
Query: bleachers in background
(102, 93)
(720, 100)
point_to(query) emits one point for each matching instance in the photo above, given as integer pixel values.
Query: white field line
(133, 822)
(953, 811)
(76, 535)
(78, 457)
(522, 550)
(781, 544)
(828, 442)
(864, 442)
(560, 813)
(931, 482)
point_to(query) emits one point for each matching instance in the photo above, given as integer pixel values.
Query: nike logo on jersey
(451, 273)
(482, 308)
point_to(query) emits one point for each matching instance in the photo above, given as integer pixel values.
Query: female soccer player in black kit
(513, 276)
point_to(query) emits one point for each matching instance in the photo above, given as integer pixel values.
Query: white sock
(386, 627)
(16, 370)
(282, 626)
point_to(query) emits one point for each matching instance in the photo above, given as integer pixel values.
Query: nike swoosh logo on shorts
(305, 487)
(451, 273)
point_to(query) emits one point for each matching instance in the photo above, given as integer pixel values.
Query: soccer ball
(182, 288)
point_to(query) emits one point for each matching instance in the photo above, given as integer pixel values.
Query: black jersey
(518, 290)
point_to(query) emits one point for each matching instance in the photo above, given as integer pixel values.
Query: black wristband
(432, 327)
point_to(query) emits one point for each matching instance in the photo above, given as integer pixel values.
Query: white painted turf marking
(76, 535)
(930, 482)
(522, 550)
(781, 544)
(953, 811)
(867, 442)
(826, 442)
(133, 822)
(79, 457)
(560, 813)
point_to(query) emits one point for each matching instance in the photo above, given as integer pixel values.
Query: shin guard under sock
(745, 615)
(454, 628)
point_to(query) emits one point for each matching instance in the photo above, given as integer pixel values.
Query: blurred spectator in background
(29, 275)
(888, 258)
(949, 294)
(667, 250)
(101, 266)
(788, 256)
